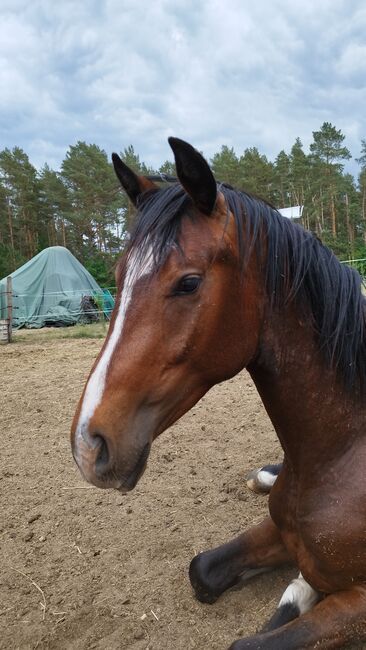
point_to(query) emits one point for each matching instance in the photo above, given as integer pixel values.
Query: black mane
(297, 267)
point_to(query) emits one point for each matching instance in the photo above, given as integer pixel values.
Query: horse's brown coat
(174, 348)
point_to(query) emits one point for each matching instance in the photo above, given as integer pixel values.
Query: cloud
(352, 62)
(237, 73)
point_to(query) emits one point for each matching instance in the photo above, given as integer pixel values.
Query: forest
(82, 207)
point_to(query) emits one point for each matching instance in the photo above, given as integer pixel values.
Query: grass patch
(92, 331)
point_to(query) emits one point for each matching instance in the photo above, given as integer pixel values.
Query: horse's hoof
(199, 577)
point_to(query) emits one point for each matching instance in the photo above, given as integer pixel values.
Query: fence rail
(81, 292)
(358, 264)
(71, 312)
(59, 307)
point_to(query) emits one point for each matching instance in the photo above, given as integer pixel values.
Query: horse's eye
(188, 284)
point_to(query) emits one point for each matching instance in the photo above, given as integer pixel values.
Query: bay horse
(215, 280)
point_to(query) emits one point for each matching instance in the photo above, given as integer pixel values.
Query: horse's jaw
(113, 449)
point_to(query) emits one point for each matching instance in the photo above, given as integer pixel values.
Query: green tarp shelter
(48, 290)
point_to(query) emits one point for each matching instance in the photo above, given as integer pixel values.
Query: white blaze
(136, 269)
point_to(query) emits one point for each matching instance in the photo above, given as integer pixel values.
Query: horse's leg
(261, 480)
(338, 619)
(298, 599)
(258, 549)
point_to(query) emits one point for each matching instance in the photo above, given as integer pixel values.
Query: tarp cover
(48, 290)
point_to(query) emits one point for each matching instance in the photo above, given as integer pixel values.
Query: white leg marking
(95, 388)
(259, 480)
(266, 479)
(300, 594)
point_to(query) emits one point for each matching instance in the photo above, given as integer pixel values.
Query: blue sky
(233, 72)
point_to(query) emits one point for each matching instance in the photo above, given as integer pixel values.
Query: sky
(242, 73)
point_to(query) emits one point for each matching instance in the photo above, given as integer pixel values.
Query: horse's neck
(306, 402)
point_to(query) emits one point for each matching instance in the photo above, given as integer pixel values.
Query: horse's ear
(195, 175)
(133, 184)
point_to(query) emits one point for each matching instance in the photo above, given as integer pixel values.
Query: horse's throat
(301, 394)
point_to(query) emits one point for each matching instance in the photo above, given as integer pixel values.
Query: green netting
(48, 290)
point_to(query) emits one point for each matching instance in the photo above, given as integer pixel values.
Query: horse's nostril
(102, 461)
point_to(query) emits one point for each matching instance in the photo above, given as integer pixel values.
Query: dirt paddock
(87, 569)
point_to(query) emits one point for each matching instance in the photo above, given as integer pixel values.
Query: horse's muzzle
(105, 466)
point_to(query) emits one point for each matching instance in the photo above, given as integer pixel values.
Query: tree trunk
(11, 233)
(321, 210)
(318, 222)
(63, 233)
(49, 234)
(333, 217)
(350, 233)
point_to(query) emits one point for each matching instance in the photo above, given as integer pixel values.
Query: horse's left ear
(133, 184)
(195, 175)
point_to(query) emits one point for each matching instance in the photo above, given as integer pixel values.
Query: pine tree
(93, 193)
(225, 166)
(257, 174)
(55, 206)
(20, 194)
(84, 208)
(281, 179)
(327, 150)
(362, 185)
(132, 160)
(168, 168)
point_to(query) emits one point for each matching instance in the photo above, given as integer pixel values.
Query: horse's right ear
(195, 175)
(133, 184)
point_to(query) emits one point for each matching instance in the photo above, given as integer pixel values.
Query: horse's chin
(128, 483)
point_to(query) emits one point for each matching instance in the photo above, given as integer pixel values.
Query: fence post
(9, 293)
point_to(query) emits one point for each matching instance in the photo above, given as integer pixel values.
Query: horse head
(186, 318)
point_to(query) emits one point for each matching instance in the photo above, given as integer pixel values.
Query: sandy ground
(87, 569)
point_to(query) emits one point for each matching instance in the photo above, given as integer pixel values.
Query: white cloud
(352, 62)
(237, 73)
